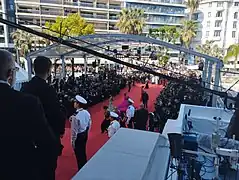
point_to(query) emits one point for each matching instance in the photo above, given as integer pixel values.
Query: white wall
(207, 32)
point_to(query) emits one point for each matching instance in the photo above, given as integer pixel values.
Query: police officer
(114, 124)
(130, 113)
(80, 125)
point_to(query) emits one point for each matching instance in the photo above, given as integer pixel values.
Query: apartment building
(102, 13)
(7, 11)
(218, 20)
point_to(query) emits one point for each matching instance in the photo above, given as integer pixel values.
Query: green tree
(168, 34)
(72, 25)
(188, 32)
(23, 42)
(211, 49)
(233, 52)
(131, 21)
(192, 5)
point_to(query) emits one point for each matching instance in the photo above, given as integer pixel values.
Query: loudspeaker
(176, 145)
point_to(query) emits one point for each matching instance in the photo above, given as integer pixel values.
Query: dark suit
(145, 98)
(48, 97)
(25, 136)
(141, 118)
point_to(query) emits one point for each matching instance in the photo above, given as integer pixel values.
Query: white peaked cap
(113, 114)
(81, 99)
(131, 101)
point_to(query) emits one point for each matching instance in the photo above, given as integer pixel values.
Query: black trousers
(129, 88)
(131, 122)
(145, 104)
(80, 149)
(104, 125)
(48, 169)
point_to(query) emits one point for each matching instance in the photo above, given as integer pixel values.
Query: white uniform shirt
(80, 123)
(130, 113)
(113, 128)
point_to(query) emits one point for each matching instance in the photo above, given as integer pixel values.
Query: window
(236, 4)
(210, 4)
(208, 23)
(234, 24)
(219, 4)
(207, 33)
(218, 23)
(217, 33)
(235, 15)
(209, 14)
(219, 14)
(233, 34)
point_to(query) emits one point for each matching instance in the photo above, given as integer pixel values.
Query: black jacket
(51, 105)
(26, 139)
(141, 118)
(145, 97)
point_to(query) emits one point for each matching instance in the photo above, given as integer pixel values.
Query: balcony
(94, 16)
(103, 6)
(51, 1)
(218, 28)
(216, 38)
(71, 3)
(113, 17)
(219, 18)
(56, 13)
(86, 4)
(114, 7)
(32, 11)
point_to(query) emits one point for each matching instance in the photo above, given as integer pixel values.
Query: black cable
(171, 174)
(94, 45)
(95, 53)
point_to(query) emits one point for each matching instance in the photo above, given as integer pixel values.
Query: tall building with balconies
(102, 13)
(219, 22)
(7, 11)
(160, 12)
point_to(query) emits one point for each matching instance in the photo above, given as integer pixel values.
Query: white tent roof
(22, 75)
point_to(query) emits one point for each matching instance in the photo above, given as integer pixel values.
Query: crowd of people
(34, 118)
(94, 88)
(168, 103)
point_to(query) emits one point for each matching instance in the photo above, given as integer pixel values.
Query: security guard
(130, 113)
(114, 124)
(80, 125)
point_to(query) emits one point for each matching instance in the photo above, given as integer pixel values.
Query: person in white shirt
(130, 113)
(80, 125)
(114, 124)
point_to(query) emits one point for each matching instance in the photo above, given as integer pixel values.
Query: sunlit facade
(7, 11)
(102, 13)
(160, 12)
(218, 22)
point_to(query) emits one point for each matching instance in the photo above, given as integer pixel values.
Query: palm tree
(131, 21)
(192, 5)
(23, 42)
(210, 49)
(188, 32)
(168, 34)
(233, 52)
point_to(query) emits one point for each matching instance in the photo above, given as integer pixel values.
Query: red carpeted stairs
(67, 167)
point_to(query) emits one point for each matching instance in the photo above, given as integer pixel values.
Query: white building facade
(7, 11)
(218, 21)
(102, 13)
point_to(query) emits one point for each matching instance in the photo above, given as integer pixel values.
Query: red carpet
(67, 167)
